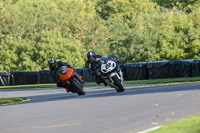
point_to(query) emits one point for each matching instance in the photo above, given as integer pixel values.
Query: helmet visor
(91, 58)
(52, 64)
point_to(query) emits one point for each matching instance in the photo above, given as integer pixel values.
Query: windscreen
(62, 70)
(104, 59)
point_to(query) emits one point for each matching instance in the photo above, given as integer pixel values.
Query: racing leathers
(93, 68)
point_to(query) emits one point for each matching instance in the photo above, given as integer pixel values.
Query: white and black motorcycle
(111, 73)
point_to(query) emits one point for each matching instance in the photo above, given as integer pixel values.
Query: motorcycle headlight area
(62, 70)
(108, 66)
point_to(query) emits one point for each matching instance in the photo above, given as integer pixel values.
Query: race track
(101, 110)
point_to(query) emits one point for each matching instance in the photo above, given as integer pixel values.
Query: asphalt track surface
(101, 110)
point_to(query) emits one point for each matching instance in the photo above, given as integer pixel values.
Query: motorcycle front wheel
(118, 83)
(78, 87)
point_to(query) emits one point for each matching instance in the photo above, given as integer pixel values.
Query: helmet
(91, 55)
(52, 63)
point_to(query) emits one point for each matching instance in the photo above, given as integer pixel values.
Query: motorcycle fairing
(65, 73)
(108, 66)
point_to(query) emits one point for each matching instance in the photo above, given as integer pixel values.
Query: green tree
(193, 47)
(132, 30)
(172, 3)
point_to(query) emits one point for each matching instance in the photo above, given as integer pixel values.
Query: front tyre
(78, 87)
(118, 83)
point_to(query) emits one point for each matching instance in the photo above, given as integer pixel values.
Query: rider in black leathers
(54, 66)
(92, 65)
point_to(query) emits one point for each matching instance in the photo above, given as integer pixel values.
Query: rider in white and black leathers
(54, 66)
(92, 65)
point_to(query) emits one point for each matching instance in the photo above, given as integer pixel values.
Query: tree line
(131, 30)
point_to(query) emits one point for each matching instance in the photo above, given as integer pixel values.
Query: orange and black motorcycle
(69, 81)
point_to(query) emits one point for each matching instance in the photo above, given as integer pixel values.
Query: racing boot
(105, 84)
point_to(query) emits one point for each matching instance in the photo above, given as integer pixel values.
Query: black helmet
(52, 63)
(91, 55)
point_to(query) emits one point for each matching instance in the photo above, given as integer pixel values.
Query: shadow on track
(111, 92)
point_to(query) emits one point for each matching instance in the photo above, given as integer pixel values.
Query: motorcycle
(66, 76)
(111, 73)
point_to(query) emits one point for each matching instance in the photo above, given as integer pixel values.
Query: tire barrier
(26, 77)
(196, 68)
(131, 71)
(135, 71)
(159, 69)
(6, 79)
(45, 77)
(181, 68)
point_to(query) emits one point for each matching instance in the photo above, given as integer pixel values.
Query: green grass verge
(29, 86)
(152, 81)
(187, 125)
(167, 80)
(11, 100)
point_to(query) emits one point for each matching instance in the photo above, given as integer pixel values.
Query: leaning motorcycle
(111, 73)
(66, 76)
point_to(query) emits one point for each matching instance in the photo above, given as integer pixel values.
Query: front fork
(119, 75)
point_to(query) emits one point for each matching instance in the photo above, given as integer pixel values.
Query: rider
(54, 66)
(92, 65)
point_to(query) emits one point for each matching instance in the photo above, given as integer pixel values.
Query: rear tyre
(78, 87)
(118, 83)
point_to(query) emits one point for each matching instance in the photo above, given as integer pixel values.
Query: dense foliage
(131, 30)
